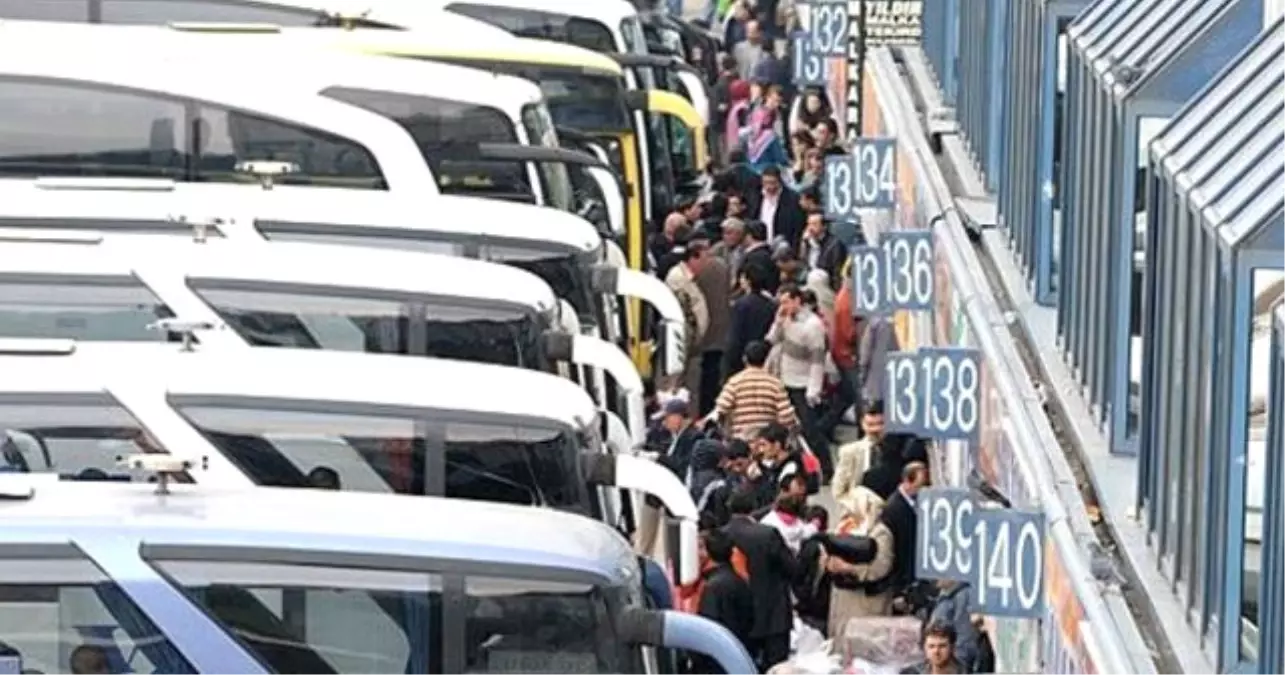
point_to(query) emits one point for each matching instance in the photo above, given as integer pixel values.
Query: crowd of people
(776, 361)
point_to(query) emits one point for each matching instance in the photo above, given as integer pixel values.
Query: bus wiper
(536, 496)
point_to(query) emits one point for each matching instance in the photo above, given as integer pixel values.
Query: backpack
(984, 660)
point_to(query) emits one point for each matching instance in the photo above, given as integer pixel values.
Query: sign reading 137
(867, 178)
(934, 392)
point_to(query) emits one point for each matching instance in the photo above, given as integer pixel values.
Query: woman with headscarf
(861, 590)
(765, 147)
(809, 109)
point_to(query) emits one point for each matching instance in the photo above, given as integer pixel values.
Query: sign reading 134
(867, 178)
(999, 552)
(934, 392)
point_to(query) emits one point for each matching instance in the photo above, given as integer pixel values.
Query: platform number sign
(865, 179)
(908, 269)
(866, 277)
(897, 274)
(934, 392)
(809, 65)
(999, 552)
(828, 27)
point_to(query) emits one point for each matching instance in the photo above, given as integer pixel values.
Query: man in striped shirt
(754, 397)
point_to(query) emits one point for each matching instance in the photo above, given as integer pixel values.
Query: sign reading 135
(999, 552)
(934, 392)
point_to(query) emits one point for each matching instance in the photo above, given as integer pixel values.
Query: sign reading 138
(934, 392)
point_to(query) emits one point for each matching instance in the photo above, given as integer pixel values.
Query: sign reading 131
(809, 64)
(934, 392)
(999, 552)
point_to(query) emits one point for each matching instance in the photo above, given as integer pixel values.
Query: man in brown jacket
(714, 281)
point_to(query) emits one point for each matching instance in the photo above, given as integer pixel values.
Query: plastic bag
(879, 644)
(812, 663)
(805, 639)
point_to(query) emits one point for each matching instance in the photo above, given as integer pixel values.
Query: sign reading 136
(934, 392)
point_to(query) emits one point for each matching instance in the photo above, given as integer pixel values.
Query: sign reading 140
(934, 392)
(897, 274)
(999, 552)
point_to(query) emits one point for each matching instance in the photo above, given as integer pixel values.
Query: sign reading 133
(934, 392)
(999, 552)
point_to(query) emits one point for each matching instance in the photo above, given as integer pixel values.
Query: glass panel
(58, 10)
(311, 619)
(579, 31)
(169, 11)
(525, 626)
(64, 615)
(226, 137)
(76, 439)
(486, 461)
(496, 333)
(99, 309)
(1267, 294)
(553, 177)
(443, 130)
(569, 280)
(64, 130)
(327, 619)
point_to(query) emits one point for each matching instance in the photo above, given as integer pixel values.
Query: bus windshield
(435, 453)
(569, 277)
(335, 319)
(444, 131)
(554, 177)
(337, 617)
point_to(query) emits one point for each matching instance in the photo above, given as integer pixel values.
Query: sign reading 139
(999, 552)
(934, 392)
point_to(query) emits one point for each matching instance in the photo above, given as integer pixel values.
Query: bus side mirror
(687, 565)
(672, 347)
(677, 630)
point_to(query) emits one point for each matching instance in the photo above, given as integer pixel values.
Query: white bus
(563, 250)
(269, 580)
(311, 418)
(455, 116)
(86, 285)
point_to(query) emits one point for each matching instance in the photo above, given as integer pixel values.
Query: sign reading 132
(999, 552)
(828, 21)
(934, 392)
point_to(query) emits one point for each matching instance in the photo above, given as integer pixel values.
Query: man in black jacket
(752, 316)
(777, 207)
(903, 521)
(821, 250)
(772, 571)
(726, 597)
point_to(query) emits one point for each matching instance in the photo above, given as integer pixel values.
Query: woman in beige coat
(849, 597)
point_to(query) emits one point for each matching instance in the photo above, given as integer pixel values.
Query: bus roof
(338, 269)
(272, 523)
(261, 377)
(154, 204)
(318, 63)
(446, 35)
